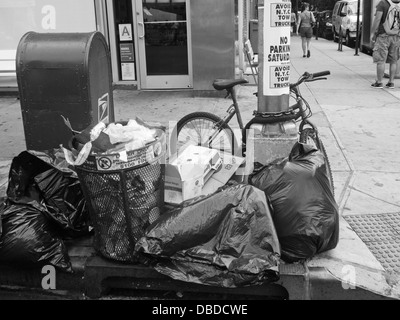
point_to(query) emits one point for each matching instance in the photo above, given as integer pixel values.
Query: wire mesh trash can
(124, 197)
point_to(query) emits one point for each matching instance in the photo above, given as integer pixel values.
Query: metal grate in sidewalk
(381, 234)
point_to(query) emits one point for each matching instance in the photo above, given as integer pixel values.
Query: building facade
(154, 44)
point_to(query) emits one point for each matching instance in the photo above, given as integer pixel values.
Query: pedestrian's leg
(308, 47)
(380, 71)
(380, 57)
(393, 59)
(392, 72)
(304, 46)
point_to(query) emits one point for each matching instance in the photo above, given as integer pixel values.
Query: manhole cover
(381, 234)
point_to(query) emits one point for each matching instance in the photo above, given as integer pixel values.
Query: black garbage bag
(64, 201)
(29, 239)
(305, 213)
(44, 205)
(56, 188)
(226, 239)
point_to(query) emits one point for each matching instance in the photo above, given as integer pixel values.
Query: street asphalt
(359, 126)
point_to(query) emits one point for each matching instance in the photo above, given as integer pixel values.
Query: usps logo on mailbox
(104, 110)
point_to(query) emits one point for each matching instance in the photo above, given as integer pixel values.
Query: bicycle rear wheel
(309, 136)
(207, 130)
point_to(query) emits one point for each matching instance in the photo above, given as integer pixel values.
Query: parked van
(344, 20)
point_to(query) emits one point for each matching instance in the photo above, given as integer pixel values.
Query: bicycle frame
(268, 118)
(233, 108)
(231, 112)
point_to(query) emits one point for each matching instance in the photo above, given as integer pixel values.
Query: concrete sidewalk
(359, 126)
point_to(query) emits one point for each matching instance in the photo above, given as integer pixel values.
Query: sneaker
(390, 85)
(377, 85)
(308, 53)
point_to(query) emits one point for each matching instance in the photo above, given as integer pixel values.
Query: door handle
(142, 25)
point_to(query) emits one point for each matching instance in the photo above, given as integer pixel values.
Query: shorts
(386, 49)
(306, 32)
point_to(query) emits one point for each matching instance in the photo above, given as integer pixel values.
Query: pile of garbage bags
(238, 235)
(44, 206)
(234, 237)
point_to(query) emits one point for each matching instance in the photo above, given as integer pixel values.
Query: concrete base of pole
(270, 142)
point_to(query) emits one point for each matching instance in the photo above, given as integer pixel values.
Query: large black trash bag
(226, 239)
(64, 201)
(305, 213)
(57, 189)
(29, 239)
(44, 205)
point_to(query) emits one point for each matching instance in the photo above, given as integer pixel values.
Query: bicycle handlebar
(308, 77)
(321, 74)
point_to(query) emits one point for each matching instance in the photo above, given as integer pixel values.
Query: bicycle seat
(226, 84)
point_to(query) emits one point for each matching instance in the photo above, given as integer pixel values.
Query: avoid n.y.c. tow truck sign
(276, 47)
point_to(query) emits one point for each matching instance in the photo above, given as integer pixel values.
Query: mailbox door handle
(142, 25)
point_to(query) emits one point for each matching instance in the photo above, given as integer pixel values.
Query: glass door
(164, 44)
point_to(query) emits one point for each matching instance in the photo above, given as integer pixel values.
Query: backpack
(392, 21)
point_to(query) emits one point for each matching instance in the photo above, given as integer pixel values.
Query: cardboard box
(197, 171)
(186, 174)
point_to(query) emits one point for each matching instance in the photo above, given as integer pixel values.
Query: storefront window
(166, 37)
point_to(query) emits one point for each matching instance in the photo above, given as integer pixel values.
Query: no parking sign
(276, 47)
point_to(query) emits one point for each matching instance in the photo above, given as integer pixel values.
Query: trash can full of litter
(124, 196)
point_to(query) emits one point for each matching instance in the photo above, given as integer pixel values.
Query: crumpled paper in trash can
(112, 138)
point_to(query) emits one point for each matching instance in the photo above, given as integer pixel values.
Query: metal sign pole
(273, 140)
(358, 28)
(241, 36)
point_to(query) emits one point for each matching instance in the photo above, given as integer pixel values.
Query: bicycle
(209, 130)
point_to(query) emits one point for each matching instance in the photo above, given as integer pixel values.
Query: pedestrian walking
(304, 24)
(293, 24)
(386, 42)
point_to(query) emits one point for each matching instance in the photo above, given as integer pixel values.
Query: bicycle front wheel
(206, 130)
(309, 136)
